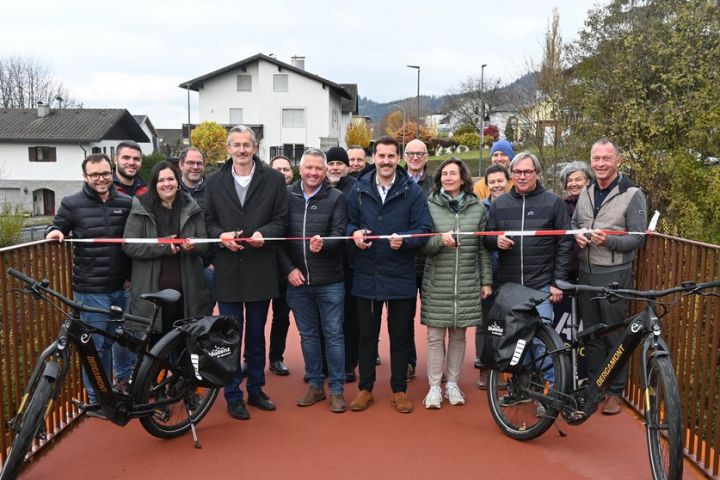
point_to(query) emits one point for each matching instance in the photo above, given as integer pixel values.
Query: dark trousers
(412, 351)
(593, 312)
(399, 320)
(251, 316)
(350, 327)
(280, 325)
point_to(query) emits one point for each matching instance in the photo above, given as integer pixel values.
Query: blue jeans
(316, 308)
(123, 358)
(545, 309)
(253, 317)
(103, 345)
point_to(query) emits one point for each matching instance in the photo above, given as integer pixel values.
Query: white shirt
(243, 180)
(383, 190)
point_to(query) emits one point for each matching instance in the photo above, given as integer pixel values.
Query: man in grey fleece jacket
(611, 202)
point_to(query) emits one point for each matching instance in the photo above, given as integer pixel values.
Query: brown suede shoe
(401, 403)
(337, 403)
(363, 400)
(612, 406)
(312, 396)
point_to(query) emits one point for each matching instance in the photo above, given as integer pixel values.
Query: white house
(289, 108)
(147, 126)
(41, 151)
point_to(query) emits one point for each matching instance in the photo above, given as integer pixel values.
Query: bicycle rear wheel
(545, 370)
(158, 382)
(28, 424)
(663, 420)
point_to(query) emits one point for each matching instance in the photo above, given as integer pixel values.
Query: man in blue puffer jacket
(385, 201)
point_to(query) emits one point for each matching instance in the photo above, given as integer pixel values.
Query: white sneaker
(434, 398)
(454, 395)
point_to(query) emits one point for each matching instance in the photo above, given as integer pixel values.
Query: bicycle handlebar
(610, 290)
(37, 286)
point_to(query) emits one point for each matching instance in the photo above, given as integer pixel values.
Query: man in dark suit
(246, 199)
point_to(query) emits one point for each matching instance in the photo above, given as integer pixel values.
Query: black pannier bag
(510, 326)
(214, 346)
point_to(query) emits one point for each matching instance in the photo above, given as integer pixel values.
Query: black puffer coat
(97, 267)
(534, 261)
(324, 214)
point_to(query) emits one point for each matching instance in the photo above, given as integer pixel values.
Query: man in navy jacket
(385, 201)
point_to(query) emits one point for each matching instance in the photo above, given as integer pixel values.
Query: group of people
(407, 234)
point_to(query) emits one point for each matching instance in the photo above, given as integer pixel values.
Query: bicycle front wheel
(28, 424)
(663, 420)
(158, 382)
(545, 370)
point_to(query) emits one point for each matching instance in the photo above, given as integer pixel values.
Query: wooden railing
(27, 327)
(692, 330)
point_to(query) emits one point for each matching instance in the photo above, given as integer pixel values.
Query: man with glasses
(610, 202)
(534, 261)
(128, 161)
(192, 169)
(99, 269)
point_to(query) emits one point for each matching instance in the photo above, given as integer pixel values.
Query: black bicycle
(526, 402)
(163, 391)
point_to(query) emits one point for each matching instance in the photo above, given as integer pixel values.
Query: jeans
(123, 359)
(251, 315)
(545, 309)
(320, 308)
(103, 345)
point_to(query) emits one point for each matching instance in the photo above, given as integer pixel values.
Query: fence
(691, 328)
(26, 328)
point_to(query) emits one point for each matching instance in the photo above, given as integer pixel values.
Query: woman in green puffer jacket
(458, 275)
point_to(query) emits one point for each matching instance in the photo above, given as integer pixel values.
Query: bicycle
(163, 391)
(526, 402)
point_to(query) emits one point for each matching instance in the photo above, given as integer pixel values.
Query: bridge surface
(313, 443)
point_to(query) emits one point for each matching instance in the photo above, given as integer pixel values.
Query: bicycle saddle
(163, 297)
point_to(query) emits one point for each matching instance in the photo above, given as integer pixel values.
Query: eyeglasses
(415, 154)
(96, 176)
(194, 164)
(283, 169)
(520, 173)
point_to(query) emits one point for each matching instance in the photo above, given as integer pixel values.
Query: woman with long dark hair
(165, 211)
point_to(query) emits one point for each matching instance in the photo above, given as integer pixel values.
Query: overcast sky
(133, 54)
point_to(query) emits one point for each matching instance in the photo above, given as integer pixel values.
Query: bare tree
(471, 99)
(24, 82)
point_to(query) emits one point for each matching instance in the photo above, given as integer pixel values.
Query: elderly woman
(457, 276)
(574, 177)
(166, 211)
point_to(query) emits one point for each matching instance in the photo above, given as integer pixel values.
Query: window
(244, 83)
(112, 152)
(96, 150)
(280, 83)
(293, 118)
(236, 116)
(42, 154)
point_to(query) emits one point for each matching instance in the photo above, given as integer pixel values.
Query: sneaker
(434, 398)
(454, 395)
(510, 399)
(540, 411)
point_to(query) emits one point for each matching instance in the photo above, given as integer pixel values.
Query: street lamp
(403, 126)
(417, 125)
(482, 114)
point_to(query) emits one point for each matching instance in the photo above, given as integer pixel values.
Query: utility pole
(417, 124)
(482, 115)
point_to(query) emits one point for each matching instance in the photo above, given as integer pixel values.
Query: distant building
(153, 145)
(41, 151)
(289, 108)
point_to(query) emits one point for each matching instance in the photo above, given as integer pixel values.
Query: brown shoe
(363, 400)
(482, 382)
(401, 403)
(337, 403)
(312, 396)
(612, 406)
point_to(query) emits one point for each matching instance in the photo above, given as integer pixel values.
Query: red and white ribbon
(507, 233)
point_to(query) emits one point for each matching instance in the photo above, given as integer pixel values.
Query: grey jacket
(146, 259)
(623, 209)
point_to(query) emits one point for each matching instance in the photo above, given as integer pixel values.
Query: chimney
(43, 110)
(298, 62)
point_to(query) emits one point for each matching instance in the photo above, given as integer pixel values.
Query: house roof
(196, 83)
(140, 119)
(77, 125)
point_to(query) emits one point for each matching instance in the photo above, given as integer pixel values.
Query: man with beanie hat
(338, 167)
(501, 153)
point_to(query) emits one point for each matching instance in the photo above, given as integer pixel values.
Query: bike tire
(517, 415)
(663, 420)
(30, 424)
(156, 382)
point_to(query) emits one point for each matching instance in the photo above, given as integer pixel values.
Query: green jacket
(146, 259)
(453, 276)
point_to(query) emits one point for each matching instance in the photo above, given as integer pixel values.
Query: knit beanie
(337, 154)
(502, 146)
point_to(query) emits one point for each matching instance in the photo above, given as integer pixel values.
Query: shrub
(11, 224)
